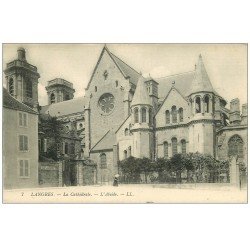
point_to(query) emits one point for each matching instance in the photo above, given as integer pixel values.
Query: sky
(226, 64)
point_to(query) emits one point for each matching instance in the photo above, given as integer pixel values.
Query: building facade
(20, 138)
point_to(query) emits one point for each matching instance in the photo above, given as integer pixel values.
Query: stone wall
(50, 174)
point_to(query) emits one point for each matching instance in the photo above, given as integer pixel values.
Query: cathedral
(124, 114)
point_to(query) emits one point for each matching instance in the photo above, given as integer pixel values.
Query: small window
(24, 170)
(183, 147)
(23, 143)
(206, 104)
(167, 114)
(11, 86)
(143, 114)
(95, 88)
(52, 98)
(29, 88)
(174, 114)
(174, 146)
(136, 115)
(165, 148)
(66, 148)
(198, 105)
(181, 114)
(103, 160)
(22, 117)
(116, 83)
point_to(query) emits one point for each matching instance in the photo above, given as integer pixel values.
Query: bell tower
(142, 121)
(201, 128)
(22, 79)
(59, 90)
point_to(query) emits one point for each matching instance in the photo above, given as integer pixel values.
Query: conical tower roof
(201, 81)
(141, 95)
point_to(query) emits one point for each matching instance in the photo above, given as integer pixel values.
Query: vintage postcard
(124, 123)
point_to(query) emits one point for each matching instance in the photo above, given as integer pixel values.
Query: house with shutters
(20, 144)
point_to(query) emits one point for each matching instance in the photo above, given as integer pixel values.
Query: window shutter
(20, 142)
(21, 167)
(20, 119)
(26, 170)
(25, 142)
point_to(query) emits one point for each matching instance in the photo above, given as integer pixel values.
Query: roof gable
(166, 98)
(65, 108)
(12, 103)
(106, 142)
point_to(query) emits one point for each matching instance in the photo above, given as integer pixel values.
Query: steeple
(141, 96)
(201, 81)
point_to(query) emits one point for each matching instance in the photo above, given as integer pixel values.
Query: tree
(51, 128)
(177, 166)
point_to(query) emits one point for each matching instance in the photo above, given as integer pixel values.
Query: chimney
(21, 54)
(244, 114)
(234, 114)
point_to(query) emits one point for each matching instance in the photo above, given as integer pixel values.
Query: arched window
(174, 146)
(206, 104)
(150, 116)
(183, 147)
(143, 114)
(181, 114)
(125, 154)
(11, 86)
(116, 83)
(103, 160)
(126, 132)
(165, 148)
(29, 88)
(198, 105)
(235, 146)
(95, 88)
(136, 115)
(167, 114)
(66, 148)
(52, 98)
(174, 114)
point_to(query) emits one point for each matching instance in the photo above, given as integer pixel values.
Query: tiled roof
(65, 107)
(106, 142)
(126, 69)
(12, 103)
(141, 95)
(182, 83)
(201, 81)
